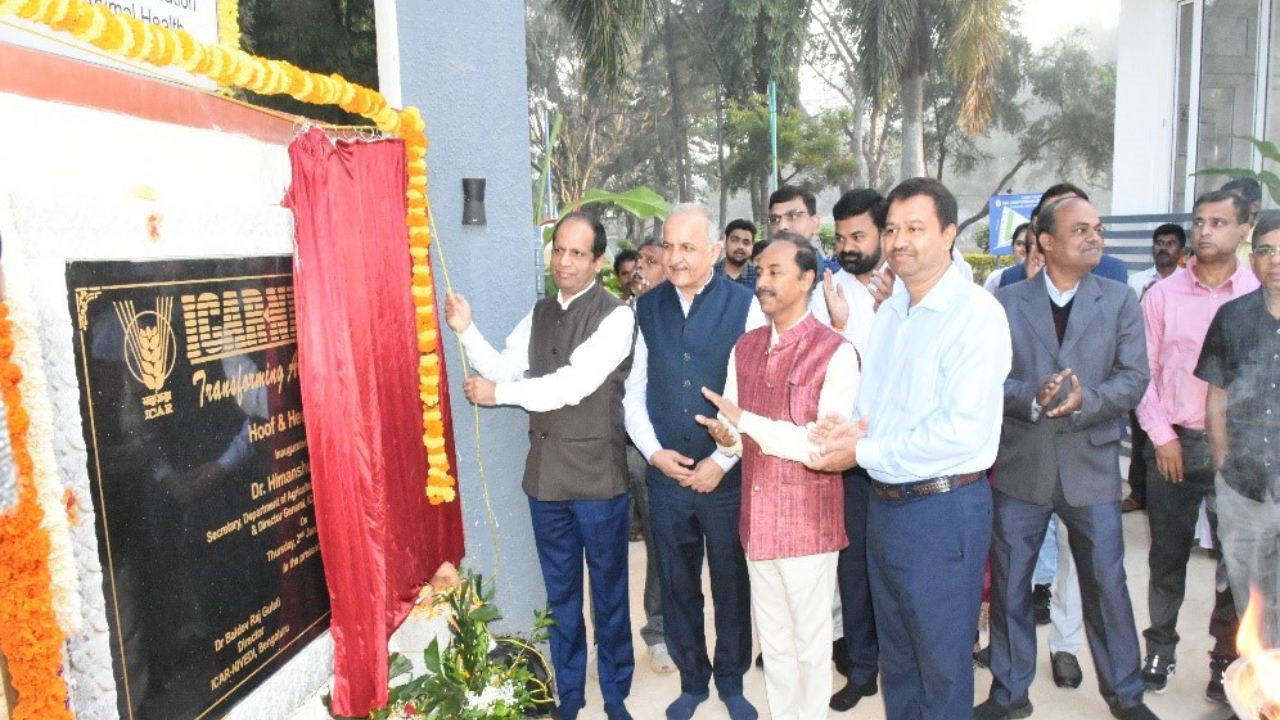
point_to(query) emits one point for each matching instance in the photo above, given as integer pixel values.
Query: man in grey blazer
(1079, 365)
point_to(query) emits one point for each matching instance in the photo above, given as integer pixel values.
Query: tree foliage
(810, 149)
(324, 36)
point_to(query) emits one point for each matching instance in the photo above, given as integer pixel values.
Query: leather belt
(894, 492)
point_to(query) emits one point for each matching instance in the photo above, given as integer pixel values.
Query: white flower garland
(8, 473)
(64, 586)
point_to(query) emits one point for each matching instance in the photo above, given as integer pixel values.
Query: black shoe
(1156, 670)
(1215, 692)
(1040, 596)
(1137, 712)
(1066, 670)
(992, 710)
(850, 694)
(840, 657)
(982, 658)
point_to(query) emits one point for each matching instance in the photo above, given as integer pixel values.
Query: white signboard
(198, 17)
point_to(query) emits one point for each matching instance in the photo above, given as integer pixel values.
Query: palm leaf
(976, 46)
(885, 31)
(606, 33)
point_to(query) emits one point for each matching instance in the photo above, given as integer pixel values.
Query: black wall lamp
(473, 201)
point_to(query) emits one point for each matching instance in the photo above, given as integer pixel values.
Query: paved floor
(1184, 701)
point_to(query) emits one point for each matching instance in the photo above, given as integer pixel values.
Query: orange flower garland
(29, 634)
(142, 41)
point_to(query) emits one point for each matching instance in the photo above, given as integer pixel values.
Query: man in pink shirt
(1177, 312)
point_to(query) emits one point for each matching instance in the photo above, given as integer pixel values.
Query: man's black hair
(599, 244)
(1171, 229)
(1057, 190)
(622, 257)
(806, 256)
(787, 193)
(758, 248)
(1268, 222)
(944, 203)
(1216, 196)
(1248, 188)
(1019, 229)
(740, 224)
(859, 202)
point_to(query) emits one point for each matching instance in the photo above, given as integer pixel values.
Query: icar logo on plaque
(197, 455)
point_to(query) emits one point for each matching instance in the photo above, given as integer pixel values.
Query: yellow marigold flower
(33, 9)
(55, 13)
(141, 36)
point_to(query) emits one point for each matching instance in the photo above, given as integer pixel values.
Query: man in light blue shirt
(929, 418)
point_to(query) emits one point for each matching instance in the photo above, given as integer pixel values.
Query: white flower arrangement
(64, 585)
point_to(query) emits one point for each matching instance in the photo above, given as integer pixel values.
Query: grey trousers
(1250, 535)
(651, 631)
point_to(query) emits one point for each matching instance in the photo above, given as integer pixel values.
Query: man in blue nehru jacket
(688, 326)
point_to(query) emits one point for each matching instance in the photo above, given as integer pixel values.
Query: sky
(1044, 21)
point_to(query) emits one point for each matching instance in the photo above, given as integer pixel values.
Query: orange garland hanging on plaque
(30, 637)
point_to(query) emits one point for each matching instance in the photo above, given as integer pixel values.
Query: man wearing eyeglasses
(1177, 312)
(795, 210)
(1241, 363)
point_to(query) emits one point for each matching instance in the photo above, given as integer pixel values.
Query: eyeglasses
(792, 215)
(1266, 252)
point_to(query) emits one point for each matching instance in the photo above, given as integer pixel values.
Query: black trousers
(855, 587)
(1172, 510)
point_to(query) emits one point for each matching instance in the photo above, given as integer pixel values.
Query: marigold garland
(29, 634)
(50, 493)
(229, 23)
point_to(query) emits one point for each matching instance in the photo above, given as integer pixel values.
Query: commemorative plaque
(201, 484)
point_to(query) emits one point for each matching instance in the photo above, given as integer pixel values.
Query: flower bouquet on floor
(475, 676)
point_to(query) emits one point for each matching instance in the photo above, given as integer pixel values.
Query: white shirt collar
(686, 304)
(773, 329)
(564, 304)
(1059, 298)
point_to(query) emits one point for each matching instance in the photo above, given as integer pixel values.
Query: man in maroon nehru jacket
(781, 379)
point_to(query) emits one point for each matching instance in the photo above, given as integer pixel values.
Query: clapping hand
(1050, 389)
(837, 439)
(881, 285)
(837, 304)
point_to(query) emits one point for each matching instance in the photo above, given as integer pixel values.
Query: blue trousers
(1096, 538)
(566, 531)
(925, 559)
(685, 523)
(855, 588)
(1047, 559)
